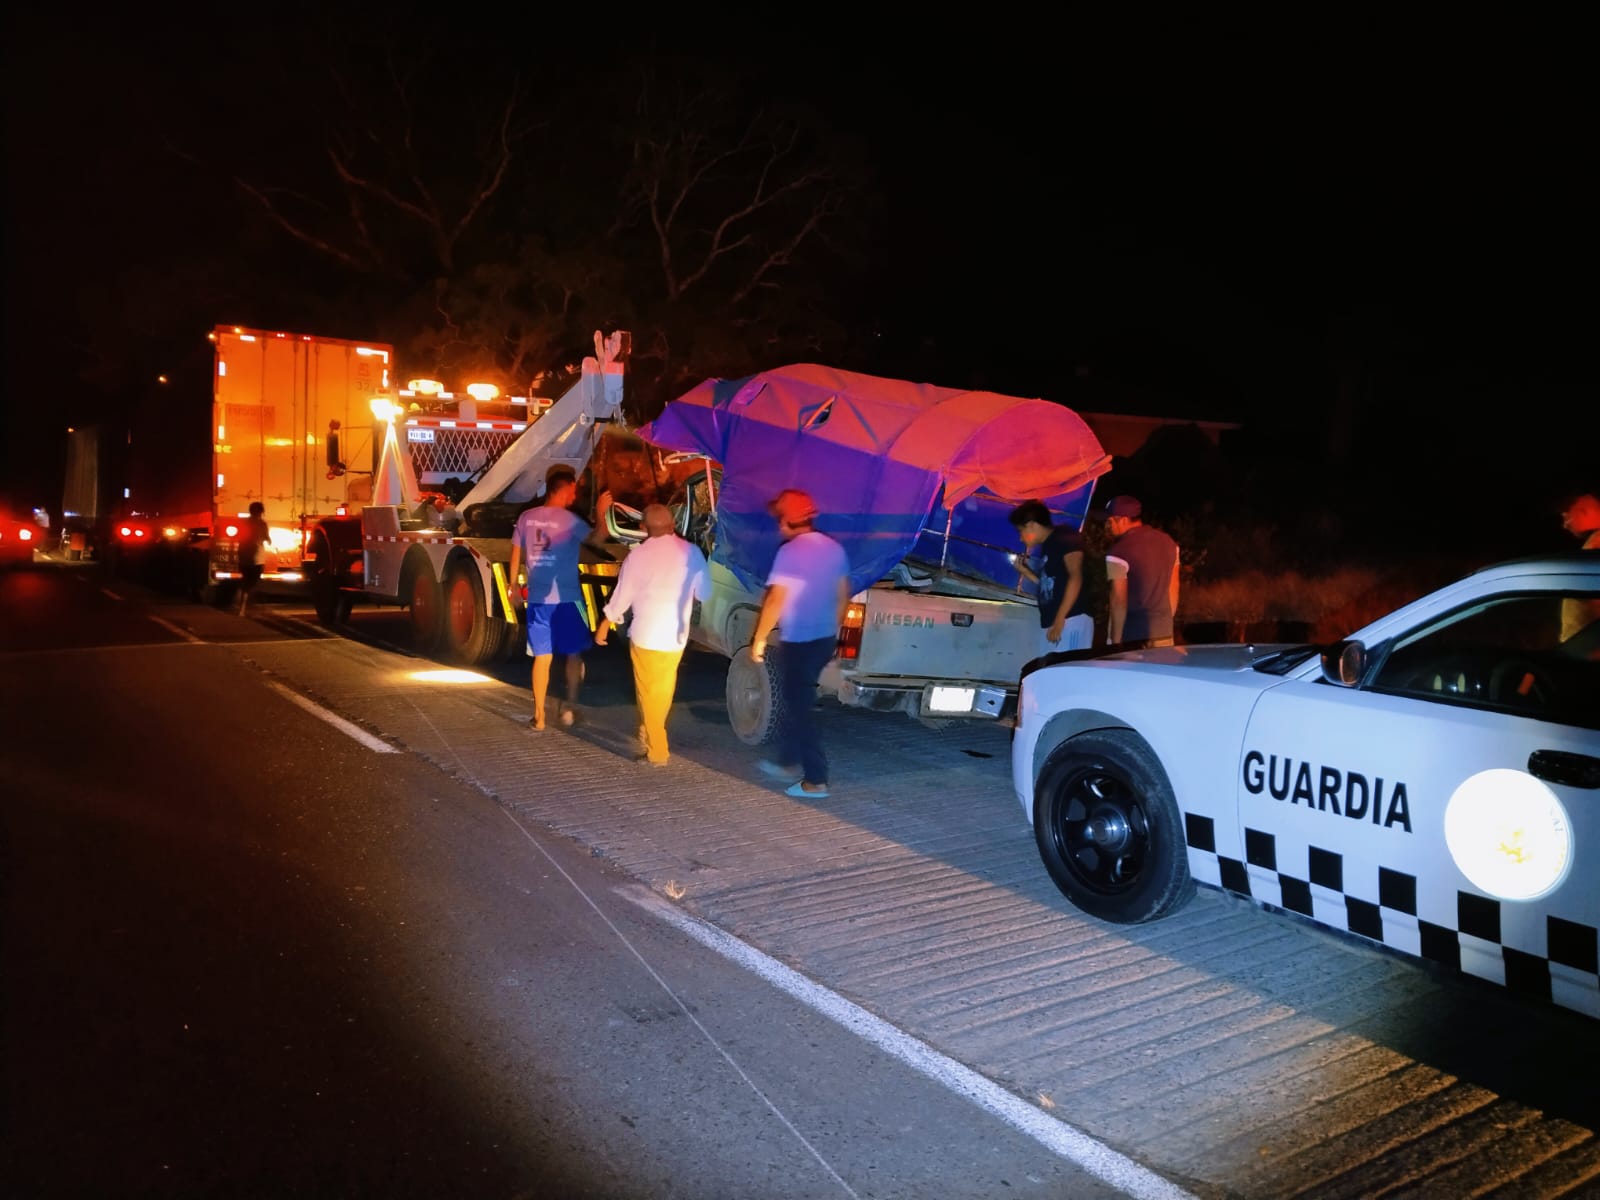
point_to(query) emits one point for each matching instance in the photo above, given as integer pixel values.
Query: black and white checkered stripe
(1566, 970)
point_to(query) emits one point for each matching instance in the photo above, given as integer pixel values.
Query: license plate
(951, 699)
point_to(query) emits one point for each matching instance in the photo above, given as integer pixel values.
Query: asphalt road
(1231, 1051)
(248, 954)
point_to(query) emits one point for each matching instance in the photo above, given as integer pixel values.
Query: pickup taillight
(850, 630)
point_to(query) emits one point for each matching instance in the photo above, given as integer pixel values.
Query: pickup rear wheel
(1109, 830)
(755, 703)
(472, 635)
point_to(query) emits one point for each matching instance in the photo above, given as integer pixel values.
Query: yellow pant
(655, 679)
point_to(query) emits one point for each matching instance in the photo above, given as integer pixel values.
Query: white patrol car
(1432, 783)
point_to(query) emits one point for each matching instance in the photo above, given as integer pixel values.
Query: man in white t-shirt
(658, 582)
(807, 590)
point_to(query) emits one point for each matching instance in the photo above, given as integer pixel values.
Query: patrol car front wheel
(1109, 830)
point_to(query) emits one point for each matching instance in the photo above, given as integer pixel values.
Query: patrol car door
(1438, 806)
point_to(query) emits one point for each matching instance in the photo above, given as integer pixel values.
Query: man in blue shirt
(807, 590)
(548, 538)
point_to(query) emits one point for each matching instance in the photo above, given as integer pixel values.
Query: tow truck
(445, 559)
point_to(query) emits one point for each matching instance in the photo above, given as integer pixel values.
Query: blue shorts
(557, 629)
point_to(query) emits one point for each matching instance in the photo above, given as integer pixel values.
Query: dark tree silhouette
(488, 231)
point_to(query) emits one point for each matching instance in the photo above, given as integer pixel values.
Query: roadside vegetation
(1291, 546)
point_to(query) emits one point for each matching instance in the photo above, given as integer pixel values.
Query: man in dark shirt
(1142, 568)
(1060, 573)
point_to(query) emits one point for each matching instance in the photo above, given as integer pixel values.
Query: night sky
(1242, 223)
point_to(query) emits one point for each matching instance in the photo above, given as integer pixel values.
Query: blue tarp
(889, 463)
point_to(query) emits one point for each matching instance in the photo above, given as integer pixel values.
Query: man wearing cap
(807, 590)
(1142, 568)
(659, 582)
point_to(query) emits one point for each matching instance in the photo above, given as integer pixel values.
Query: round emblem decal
(1509, 834)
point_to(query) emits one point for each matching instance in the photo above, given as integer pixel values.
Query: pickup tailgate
(920, 635)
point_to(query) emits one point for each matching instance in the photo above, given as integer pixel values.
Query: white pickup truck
(917, 483)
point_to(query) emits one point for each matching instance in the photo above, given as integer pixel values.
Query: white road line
(688, 1013)
(1093, 1156)
(109, 592)
(67, 650)
(171, 628)
(338, 722)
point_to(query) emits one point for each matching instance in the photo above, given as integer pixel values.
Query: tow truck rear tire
(324, 581)
(755, 702)
(1108, 828)
(426, 608)
(472, 636)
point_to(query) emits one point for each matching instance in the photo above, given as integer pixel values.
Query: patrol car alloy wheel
(1108, 828)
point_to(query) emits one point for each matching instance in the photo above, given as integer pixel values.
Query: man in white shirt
(807, 591)
(659, 581)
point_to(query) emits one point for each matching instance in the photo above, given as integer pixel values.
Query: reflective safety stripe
(597, 581)
(499, 571)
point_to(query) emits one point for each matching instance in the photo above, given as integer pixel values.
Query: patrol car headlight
(1509, 834)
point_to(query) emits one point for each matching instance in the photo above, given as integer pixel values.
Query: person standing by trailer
(254, 537)
(658, 582)
(547, 539)
(807, 591)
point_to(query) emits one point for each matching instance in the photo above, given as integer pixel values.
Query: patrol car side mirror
(1344, 663)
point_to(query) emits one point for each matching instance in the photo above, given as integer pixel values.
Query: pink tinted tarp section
(1018, 449)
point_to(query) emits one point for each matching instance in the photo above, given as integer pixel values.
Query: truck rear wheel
(472, 635)
(426, 606)
(324, 579)
(755, 703)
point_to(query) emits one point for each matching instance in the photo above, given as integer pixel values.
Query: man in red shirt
(1142, 567)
